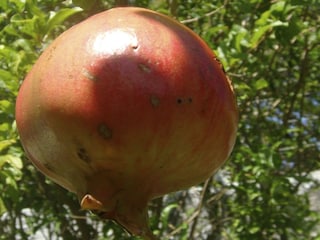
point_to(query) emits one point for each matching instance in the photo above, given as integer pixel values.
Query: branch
(195, 215)
(304, 69)
(195, 222)
(205, 15)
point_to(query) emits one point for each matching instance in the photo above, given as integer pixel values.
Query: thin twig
(196, 212)
(195, 221)
(205, 15)
(79, 217)
(217, 196)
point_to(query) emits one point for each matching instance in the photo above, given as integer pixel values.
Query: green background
(270, 50)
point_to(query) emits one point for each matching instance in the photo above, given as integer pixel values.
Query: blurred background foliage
(267, 190)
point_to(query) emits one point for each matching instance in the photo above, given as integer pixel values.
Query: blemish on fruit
(155, 101)
(50, 52)
(89, 75)
(104, 131)
(83, 155)
(48, 166)
(184, 100)
(144, 68)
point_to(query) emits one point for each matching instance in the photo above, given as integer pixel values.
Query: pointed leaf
(6, 143)
(59, 17)
(260, 84)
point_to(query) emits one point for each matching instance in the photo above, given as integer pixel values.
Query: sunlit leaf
(260, 84)
(6, 143)
(261, 31)
(20, 4)
(166, 212)
(59, 17)
(14, 161)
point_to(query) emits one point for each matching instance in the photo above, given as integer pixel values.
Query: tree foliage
(270, 49)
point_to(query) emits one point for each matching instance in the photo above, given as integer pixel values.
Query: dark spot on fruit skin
(104, 131)
(184, 100)
(155, 101)
(135, 47)
(83, 155)
(50, 52)
(49, 167)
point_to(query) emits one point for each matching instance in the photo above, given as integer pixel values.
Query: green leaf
(3, 208)
(2, 162)
(5, 106)
(241, 38)
(278, 6)
(165, 214)
(26, 26)
(4, 144)
(253, 230)
(14, 161)
(4, 76)
(20, 4)
(57, 18)
(260, 84)
(85, 4)
(261, 31)
(24, 44)
(4, 127)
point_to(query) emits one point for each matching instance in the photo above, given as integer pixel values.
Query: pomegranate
(124, 107)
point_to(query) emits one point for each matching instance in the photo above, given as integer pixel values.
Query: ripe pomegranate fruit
(124, 107)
